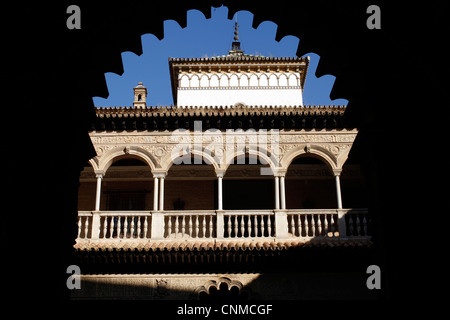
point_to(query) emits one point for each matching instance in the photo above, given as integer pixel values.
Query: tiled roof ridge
(238, 58)
(215, 245)
(239, 109)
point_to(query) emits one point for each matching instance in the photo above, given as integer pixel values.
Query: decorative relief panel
(281, 147)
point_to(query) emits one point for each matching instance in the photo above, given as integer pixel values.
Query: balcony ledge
(204, 230)
(217, 245)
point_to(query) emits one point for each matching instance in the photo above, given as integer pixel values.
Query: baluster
(326, 226)
(197, 227)
(229, 226)
(269, 226)
(189, 225)
(86, 227)
(262, 226)
(242, 226)
(145, 227)
(305, 218)
(230, 217)
(299, 225)
(292, 222)
(357, 225)
(177, 226)
(79, 226)
(211, 226)
(122, 229)
(255, 227)
(133, 226)
(118, 226)
(183, 225)
(111, 227)
(305, 224)
(169, 226)
(319, 225)
(350, 224)
(204, 227)
(332, 225)
(312, 225)
(364, 225)
(249, 226)
(127, 227)
(236, 227)
(139, 227)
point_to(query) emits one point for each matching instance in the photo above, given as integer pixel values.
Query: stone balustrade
(223, 224)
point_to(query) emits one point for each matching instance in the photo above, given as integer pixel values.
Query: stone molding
(155, 148)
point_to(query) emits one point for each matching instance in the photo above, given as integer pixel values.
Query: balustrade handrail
(227, 211)
(222, 224)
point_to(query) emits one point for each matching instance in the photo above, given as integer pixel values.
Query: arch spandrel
(261, 155)
(314, 151)
(107, 158)
(94, 163)
(168, 160)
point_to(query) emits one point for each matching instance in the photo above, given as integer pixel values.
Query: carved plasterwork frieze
(280, 146)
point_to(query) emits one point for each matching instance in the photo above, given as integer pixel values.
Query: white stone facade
(250, 80)
(227, 89)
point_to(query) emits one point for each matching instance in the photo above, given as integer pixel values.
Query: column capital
(159, 174)
(279, 172)
(99, 173)
(220, 174)
(337, 172)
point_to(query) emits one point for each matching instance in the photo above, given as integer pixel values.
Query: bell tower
(140, 96)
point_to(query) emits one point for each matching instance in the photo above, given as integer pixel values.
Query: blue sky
(205, 38)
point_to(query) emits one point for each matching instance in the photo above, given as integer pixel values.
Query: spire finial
(236, 45)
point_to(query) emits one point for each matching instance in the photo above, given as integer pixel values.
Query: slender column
(277, 192)
(282, 193)
(338, 191)
(155, 193)
(219, 188)
(98, 191)
(161, 193)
